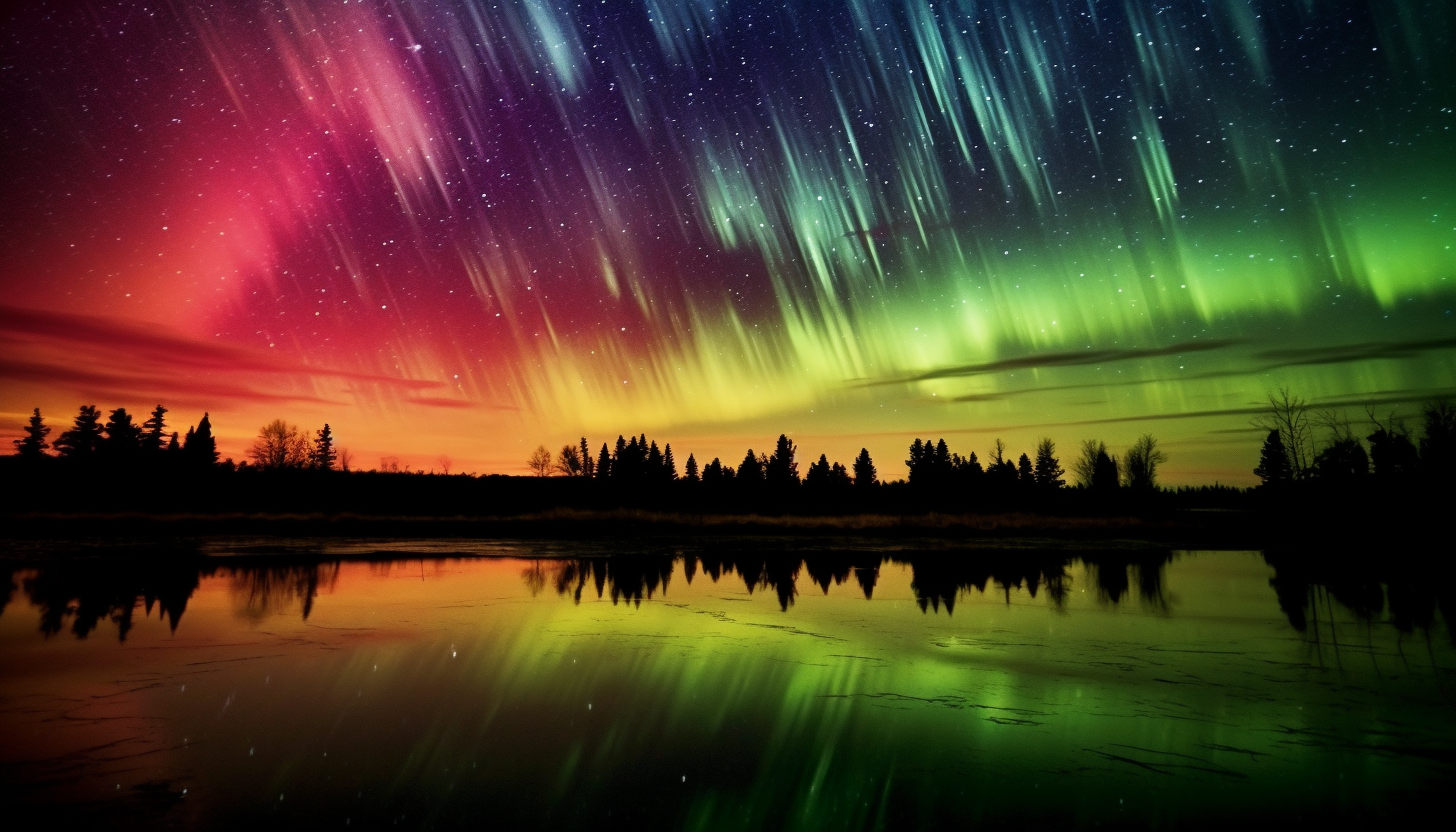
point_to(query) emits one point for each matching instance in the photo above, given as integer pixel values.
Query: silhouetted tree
(655, 462)
(1002, 471)
(917, 462)
(1392, 453)
(817, 476)
(1274, 470)
(1438, 440)
(782, 471)
(154, 435)
(1048, 469)
(588, 466)
(324, 456)
(669, 465)
(1024, 472)
(568, 461)
(604, 463)
(967, 471)
(279, 445)
(540, 461)
(123, 437)
(1140, 465)
(1085, 468)
(715, 474)
(865, 475)
(1289, 414)
(1343, 461)
(750, 470)
(33, 445)
(174, 448)
(690, 470)
(1104, 470)
(200, 448)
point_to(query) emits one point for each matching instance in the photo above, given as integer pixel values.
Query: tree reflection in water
(80, 591)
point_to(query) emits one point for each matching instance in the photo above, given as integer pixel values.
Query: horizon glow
(467, 229)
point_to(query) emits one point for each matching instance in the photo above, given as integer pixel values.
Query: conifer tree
(750, 470)
(1104, 470)
(154, 429)
(200, 448)
(123, 437)
(916, 462)
(173, 447)
(324, 456)
(82, 439)
(690, 470)
(1024, 472)
(669, 465)
(33, 445)
(782, 470)
(604, 463)
(818, 474)
(588, 467)
(1048, 469)
(656, 467)
(1274, 469)
(865, 475)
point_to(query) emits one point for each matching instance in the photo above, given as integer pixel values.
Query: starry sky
(465, 228)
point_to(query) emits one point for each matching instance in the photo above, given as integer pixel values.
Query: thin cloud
(134, 343)
(1344, 353)
(105, 385)
(1069, 358)
(433, 401)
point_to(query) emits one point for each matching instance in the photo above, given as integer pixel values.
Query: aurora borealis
(466, 228)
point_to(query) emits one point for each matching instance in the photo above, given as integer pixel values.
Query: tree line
(119, 441)
(637, 462)
(1307, 448)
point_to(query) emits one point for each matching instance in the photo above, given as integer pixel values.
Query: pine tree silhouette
(690, 470)
(1049, 471)
(1274, 469)
(604, 462)
(916, 463)
(324, 455)
(83, 438)
(1024, 472)
(865, 475)
(33, 445)
(750, 470)
(817, 476)
(1104, 471)
(154, 430)
(782, 471)
(123, 437)
(588, 467)
(200, 449)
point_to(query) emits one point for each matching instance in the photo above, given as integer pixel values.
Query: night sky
(467, 228)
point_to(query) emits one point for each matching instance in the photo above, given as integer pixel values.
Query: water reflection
(732, 686)
(79, 593)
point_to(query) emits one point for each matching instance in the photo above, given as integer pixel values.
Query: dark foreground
(781, 683)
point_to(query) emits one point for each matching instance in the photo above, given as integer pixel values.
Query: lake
(740, 685)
